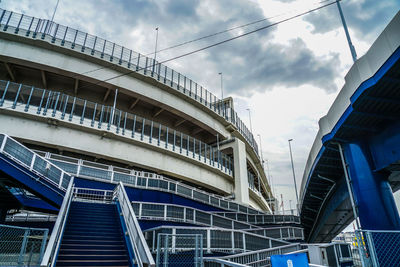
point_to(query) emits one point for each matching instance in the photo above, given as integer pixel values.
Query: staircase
(93, 237)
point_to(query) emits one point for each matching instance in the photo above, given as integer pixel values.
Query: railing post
(4, 94)
(61, 179)
(4, 143)
(23, 248)
(43, 245)
(142, 134)
(16, 97)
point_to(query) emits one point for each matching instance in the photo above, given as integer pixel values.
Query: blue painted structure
(365, 120)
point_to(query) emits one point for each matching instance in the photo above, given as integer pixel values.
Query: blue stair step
(93, 237)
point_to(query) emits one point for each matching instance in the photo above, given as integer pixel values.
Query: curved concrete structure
(79, 94)
(365, 112)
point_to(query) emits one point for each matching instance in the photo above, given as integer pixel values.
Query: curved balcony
(73, 110)
(31, 27)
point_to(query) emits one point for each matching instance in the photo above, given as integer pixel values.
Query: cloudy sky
(288, 75)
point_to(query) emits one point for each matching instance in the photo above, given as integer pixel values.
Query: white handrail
(55, 238)
(138, 242)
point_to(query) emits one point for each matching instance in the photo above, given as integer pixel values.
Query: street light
(251, 128)
(294, 176)
(155, 50)
(222, 89)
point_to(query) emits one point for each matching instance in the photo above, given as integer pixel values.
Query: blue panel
(385, 147)
(291, 260)
(26, 178)
(36, 204)
(373, 195)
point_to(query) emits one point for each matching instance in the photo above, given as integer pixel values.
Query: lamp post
(251, 128)
(346, 31)
(155, 50)
(222, 88)
(294, 176)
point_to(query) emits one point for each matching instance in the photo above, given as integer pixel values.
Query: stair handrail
(51, 252)
(140, 248)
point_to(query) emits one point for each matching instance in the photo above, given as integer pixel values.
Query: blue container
(291, 260)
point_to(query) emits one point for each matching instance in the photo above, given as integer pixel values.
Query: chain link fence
(20, 246)
(378, 248)
(179, 250)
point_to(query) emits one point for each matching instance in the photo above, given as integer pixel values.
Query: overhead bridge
(358, 138)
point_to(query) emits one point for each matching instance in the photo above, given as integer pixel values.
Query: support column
(372, 193)
(240, 172)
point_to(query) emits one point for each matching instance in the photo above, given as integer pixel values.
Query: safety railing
(216, 239)
(51, 104)
(140, 179)
(378, 248)
(92, 195)
(142, 253)
(260, 218)
(215, 262)
(57, 34)
(260, 257)
(177, 213)
(47, 172)
(53, 246)
(21, 246)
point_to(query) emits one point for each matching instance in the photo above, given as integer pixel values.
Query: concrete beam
(10, 71)
(197, 130)
(157, 112)
(44, 80)
(106, 95)
(134, 103)
(76, 86)
(179, 122)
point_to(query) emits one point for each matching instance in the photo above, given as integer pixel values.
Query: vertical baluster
(165, 74)
(30, 26)
(152, 67)
(53, 40)
(73, 43)
(194, 147)
(166, 138)
(159, 134)
(104, 47)
(112, 53)
(122, 54)
(65, 35)
(123, 130)
(94, 46)
(65, 107)
(134, 126)
(199, 150)
(187, 146)
(55, 105)
(8, 20)
(180, 149)
(195, 93)
(158, 71)
(151, 132)
(84, 43)
(94, 115)
(29, 99)
(41, 103)
(179, 79)
(72, 110)
(16, 97)
(173, 146)
(19, 23)
(111, 118)
(143, 124)
(205, 153)
(101, 117)
(145, 68)
(184, 84)
(83, 112)
(138, 61)
(172, 77)
(119, 121)
(130, 58)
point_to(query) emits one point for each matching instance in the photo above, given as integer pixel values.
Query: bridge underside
(372, 118)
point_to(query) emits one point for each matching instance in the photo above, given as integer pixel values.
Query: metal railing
(215, 262)
(51, 252)
(57, 105)
(92, 195)
(217, 239)
(21, 246)
(142, 253)
(179, 250)
(177, 213)
(259, 258)
(260, 218)
(31, 217)
(51, 32)
(378, 248)
(140, 179)
(47, 172)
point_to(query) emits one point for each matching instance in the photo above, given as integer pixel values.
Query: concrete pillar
(240, 172)
(372, 193)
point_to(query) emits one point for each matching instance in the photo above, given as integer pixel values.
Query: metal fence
(177, 213)
(260, 218)
(217, 239)
(47, 172)
(179, 250)
(378, 248)
(148, 180)
(20, 246)
(30, 27)
(52, 104)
